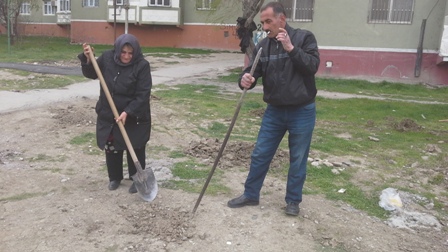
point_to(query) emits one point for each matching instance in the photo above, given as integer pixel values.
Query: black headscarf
(132, 41)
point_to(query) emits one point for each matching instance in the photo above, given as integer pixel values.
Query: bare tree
(11, 9)
(250, 10)
(245, 23)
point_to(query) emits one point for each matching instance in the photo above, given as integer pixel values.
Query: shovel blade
(147, 188)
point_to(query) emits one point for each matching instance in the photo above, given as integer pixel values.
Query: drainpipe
(418, 63)
(115, 19)
(126, 8)
(9, 28)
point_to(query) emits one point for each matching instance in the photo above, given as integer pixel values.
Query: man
(287, 65)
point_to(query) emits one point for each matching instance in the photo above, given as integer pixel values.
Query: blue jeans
(299, 122)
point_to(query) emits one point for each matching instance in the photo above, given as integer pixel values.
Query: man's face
(271, 22)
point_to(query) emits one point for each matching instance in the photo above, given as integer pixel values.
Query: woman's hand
(122, 118)
(87, 51)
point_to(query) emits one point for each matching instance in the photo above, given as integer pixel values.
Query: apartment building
(397, 40)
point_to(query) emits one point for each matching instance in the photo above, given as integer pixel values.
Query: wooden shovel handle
(112, 106)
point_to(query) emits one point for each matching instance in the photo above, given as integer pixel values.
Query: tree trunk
(250, 10)
(14, 28)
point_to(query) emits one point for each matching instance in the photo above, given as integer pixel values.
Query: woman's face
(126, 54)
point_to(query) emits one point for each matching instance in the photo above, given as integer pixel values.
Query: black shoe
(133, 189)
(292, 209)
(113, 185)
(242, 201)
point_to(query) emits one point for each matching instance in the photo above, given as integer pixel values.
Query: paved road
(174, 73)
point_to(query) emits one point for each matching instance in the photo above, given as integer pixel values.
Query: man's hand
(283, 37)
(247, 80)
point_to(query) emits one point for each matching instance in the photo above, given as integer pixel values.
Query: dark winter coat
(288, 78)
(130, 87)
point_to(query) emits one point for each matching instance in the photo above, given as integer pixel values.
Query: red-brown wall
(395, 66)
(50, 30)
(187, 36)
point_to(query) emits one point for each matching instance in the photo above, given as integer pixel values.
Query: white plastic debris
(63, 180)
(374, 139)
(390, 199)
(342, 190)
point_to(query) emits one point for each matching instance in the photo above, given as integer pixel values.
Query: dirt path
(54, 194)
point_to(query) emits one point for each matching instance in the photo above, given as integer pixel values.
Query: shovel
(144, 180)
(232, 123)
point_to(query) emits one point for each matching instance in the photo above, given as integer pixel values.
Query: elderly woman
(128, 77)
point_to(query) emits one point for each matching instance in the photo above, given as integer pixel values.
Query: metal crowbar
(238, 107)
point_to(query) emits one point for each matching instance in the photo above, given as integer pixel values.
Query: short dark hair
(276, 7)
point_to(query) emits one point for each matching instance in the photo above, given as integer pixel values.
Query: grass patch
(176, 51)
(176, 154)
(385, 89)
(214, 188)
(52, 170)
(211, 110)
(44, 157)
(190, 177)
(189, 170)
(232, 76)
(27, 81)
(22, 196)
(83, 139)
(326, 182)
(50, 49)
(403, 129)
(87, 143)
(216, 129)
(39, 49)
(399, 126)
(157, 149)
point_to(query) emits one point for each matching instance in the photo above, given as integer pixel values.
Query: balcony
(120, 14)
(141, 12)
(63, 18)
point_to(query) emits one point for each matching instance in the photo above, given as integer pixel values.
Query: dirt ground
(54, 197)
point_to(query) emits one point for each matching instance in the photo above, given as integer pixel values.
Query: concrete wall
(344, 23)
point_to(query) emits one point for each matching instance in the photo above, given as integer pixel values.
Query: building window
(165, 3)
(206, 4)
(299, 10)
(119, 2)
(64, 5)
(391, 11)
(90, 3)
(49, 7)
(25, 9)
